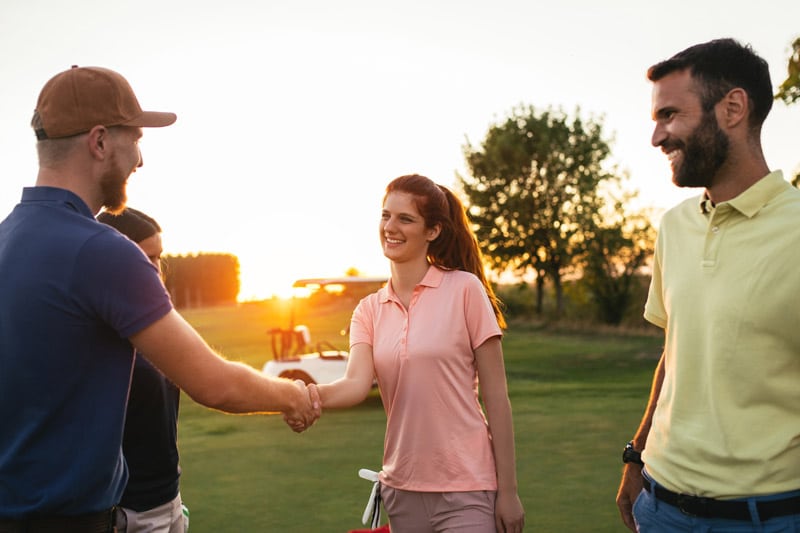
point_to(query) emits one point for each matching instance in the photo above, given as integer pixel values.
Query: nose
(659, 135)
(387, 225)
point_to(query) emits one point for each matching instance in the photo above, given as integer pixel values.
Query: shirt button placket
(404, 336)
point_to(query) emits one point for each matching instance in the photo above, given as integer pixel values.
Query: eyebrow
(401, 213)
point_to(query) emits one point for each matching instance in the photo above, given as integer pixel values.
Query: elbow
(215, 392)
(211, 397)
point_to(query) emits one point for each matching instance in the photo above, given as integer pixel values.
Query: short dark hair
(134, 224)
(719, 66)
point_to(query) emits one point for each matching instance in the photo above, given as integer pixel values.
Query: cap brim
(152, 119)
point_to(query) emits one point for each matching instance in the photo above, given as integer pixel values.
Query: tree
(533, 188)
(617, 248)
(789, 90)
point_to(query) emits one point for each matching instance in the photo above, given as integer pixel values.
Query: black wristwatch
(629, 455)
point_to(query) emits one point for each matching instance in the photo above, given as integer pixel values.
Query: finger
(627, 516)
(313, 393)
(316, 404)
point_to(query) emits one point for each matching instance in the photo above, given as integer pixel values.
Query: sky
(293, 115)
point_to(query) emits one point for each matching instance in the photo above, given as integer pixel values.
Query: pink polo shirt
(437, 438)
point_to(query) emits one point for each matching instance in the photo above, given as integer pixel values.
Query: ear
(433, 233)
(734, 108)
(98, 142)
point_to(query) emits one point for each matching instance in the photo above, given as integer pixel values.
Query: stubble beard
(113, 188)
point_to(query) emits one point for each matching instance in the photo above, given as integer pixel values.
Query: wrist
(294, 396)
(631, 456)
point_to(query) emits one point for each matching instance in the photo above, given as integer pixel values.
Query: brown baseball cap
(81, 98)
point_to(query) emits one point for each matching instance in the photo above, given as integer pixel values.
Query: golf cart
(294, 354)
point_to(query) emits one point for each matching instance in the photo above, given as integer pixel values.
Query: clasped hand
(309, 408)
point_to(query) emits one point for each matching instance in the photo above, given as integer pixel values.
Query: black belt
(101, 522)
(730, 510)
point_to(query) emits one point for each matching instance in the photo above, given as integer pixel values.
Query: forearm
(494, 392)
(176, 349)
(631, 484)
(343, 392)
(242, 389)
(640, 437)
(354, 386)
(498, 413)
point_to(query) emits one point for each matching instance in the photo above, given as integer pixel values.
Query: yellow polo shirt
(726, 287)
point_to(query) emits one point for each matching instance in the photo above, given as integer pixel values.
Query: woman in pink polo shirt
(428, 336)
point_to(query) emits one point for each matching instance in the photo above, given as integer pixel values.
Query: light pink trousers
(439, 512)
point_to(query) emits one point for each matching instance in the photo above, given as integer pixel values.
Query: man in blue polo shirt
(76, 297)
(718, 448)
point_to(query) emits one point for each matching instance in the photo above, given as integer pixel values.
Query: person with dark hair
(718, 447)
(76, 299)
(430, 337)
(151, 501)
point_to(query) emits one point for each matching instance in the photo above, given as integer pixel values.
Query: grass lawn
(576, 397)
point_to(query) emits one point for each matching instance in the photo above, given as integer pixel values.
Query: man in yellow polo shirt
(718, 448)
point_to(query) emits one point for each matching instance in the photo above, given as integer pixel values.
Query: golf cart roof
(313, 283)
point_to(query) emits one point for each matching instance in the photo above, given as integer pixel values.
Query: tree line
(203, 279)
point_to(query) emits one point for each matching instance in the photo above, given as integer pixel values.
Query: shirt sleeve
(654, 309)
(119, 284)
(362, 323)
(481, 320)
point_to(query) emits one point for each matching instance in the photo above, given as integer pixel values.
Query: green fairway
(577, 398)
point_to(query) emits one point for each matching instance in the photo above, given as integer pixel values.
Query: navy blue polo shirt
(72, 290)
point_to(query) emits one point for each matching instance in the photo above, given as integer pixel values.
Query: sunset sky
(294, 115)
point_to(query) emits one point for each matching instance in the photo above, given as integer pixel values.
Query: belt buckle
(693, 506)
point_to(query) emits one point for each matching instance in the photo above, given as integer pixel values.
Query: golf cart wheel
(297, 374)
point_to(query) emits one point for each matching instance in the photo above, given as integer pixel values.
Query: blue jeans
(655, 516)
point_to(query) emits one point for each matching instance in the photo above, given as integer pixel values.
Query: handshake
(307, 407)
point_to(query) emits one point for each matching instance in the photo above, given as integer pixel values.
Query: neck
(65, 179)
(406, 276)
(741, 171)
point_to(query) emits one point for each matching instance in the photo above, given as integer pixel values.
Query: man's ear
(734, 108)
(98, 142)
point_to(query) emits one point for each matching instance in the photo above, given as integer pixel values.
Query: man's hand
(308, 410)
(629, 489)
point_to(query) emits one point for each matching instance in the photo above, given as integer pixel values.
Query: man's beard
(113, 187)
(703, 153)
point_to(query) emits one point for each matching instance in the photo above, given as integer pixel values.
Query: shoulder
(368, 303)
(789, 199)
(110, 242)
(461, 279)
(110, 259)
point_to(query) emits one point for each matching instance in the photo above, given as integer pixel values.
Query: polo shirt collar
(433, 278)
(56, 195)
(750, 202)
